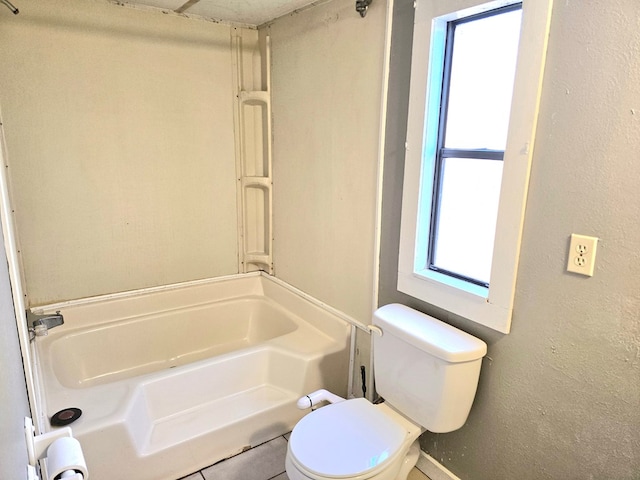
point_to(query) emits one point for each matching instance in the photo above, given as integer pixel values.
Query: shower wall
(327, 86)
(120, 141)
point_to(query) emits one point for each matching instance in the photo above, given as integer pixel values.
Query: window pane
(467, 216)
(481, 83)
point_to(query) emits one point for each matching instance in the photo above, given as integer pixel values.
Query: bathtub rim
(53, 307)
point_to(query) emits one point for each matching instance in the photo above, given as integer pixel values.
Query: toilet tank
(424, 368)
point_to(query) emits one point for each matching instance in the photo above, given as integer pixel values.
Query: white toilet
(426, 370)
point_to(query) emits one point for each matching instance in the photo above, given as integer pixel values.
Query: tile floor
(264, 462)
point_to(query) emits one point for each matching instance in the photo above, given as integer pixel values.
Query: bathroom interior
(134, 161)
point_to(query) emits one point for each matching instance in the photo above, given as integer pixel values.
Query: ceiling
(245, 12)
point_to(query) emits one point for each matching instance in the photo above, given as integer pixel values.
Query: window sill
(458, 301)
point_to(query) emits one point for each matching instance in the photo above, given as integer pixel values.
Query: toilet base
(409, 461)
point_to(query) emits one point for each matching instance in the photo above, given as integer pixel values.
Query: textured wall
(327, 71)
(559, 397)
(119, 128)
(13, 391)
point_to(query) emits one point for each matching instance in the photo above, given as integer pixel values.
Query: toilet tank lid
(429, 334)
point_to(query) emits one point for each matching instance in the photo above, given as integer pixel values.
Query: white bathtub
(175, 379)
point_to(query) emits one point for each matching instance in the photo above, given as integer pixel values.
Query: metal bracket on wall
(362, 6)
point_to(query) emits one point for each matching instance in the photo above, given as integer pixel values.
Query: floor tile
(264, 462)
(282, 476)
(416, 474)
(193, 476)
(260, 463)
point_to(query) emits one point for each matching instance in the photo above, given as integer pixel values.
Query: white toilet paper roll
(65, 454)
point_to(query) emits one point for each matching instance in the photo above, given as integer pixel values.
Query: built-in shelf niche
(253, 150)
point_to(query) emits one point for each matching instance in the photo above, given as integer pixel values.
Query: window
(477, 85)
(472, 117)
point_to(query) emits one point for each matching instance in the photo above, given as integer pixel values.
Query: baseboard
(433, 469)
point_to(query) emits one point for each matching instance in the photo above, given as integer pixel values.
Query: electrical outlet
(582, 254)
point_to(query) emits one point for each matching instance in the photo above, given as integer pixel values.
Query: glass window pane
(467, 216)
(481, 82)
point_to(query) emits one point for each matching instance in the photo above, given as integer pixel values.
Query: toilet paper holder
(37, 445)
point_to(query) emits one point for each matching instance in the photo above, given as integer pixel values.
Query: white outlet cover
(582, 254)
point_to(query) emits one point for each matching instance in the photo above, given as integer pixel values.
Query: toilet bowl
(352, 439)
(428, 373)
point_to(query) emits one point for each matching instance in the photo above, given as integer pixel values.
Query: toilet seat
(345, 440)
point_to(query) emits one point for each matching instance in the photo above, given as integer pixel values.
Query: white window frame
(490, 306)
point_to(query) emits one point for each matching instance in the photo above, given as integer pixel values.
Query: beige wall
(327, 72)
(119, 131)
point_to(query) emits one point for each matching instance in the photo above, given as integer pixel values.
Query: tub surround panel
(326, 76)
(119, 129)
